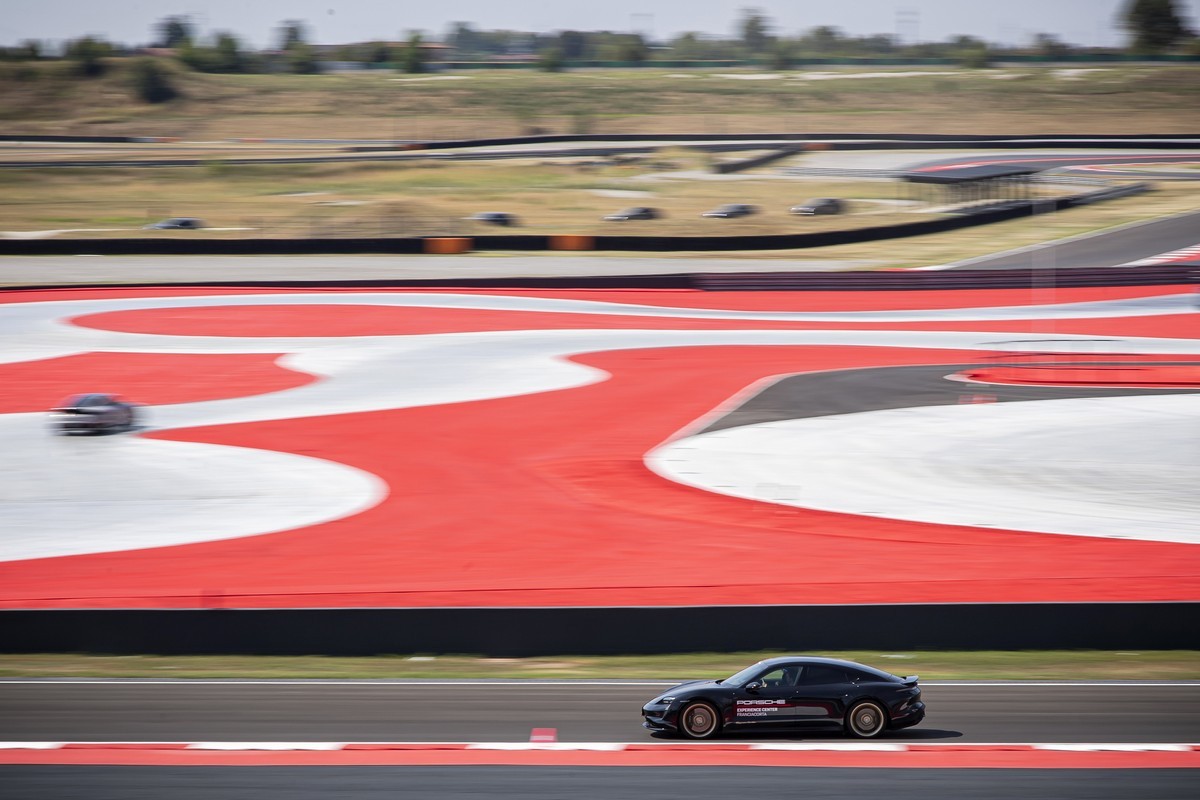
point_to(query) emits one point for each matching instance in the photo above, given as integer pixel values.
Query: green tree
(464, 39)
(754, 31)
(551, 60)
(87, 54)
(174, 31)
(229, 56)
(1050, 46)
(781, 56)
(302, 59)
(379, 53)
(685, 47)
(823, 40)
(291, 33)
(414, 54)
(151, 81)
(29, 50)
(1154, 25)
(632, 49)
(573, 44)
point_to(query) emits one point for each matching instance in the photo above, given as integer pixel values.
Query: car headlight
(666, 701)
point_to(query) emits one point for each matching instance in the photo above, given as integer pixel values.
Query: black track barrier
(19, 137)
(898, 280)
(904, 280)
(208, 247)
(943, 139)
(743, 164)
(1109, 138)
(515, 632)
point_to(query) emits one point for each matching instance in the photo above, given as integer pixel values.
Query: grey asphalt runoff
(477, 712)
(819, 394)
(589, 783)
(1105, 249)
(1061, 161)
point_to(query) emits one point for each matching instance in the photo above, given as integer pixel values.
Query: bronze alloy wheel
(866, 720)
(700, 721)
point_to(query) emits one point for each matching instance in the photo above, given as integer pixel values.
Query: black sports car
(637, 212)
(790, 693)
(730, 211)
(93, 413)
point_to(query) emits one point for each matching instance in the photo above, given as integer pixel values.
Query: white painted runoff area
(1121, 467)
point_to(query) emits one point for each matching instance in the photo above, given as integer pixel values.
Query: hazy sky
(1087, 22)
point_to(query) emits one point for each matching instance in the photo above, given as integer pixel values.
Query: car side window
(773, 678)
(781, 676)
(818, 675)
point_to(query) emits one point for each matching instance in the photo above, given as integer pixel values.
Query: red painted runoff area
(544, 499)
(148, 378)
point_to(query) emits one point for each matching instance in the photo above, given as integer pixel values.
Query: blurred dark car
(731, 210)
(93, 413)
(821, 205)
(502, 218)
(789, 693)
(637, 212)
(176, 224)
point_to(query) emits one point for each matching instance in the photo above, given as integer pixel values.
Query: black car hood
(691, 685)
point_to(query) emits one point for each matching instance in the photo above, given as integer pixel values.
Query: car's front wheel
(700, 720)
(866, 720)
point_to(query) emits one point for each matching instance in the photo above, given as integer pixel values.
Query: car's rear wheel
(866, 720)
(700, 720)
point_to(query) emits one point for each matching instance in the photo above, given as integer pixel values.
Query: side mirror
(753, 686)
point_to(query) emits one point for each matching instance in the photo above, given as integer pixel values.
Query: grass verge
(931, 665)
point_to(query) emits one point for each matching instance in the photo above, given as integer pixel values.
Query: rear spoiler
(910, 680)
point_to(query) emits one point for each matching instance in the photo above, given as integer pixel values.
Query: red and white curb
(1175, 256)
(939, 755)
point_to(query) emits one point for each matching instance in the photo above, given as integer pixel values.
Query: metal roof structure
(960, 175)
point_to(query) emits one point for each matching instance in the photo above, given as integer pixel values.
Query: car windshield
(738, 678)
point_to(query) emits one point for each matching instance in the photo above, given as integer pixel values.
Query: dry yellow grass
(384, 105)
(424, 198)
(434, 198)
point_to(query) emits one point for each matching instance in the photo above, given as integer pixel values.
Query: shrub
(86, 54)
(975, 59)
(152, 82)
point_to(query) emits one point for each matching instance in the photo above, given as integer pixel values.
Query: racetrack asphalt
(1103, 249)
(589, 783)
(341, 711)
(817, 394)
